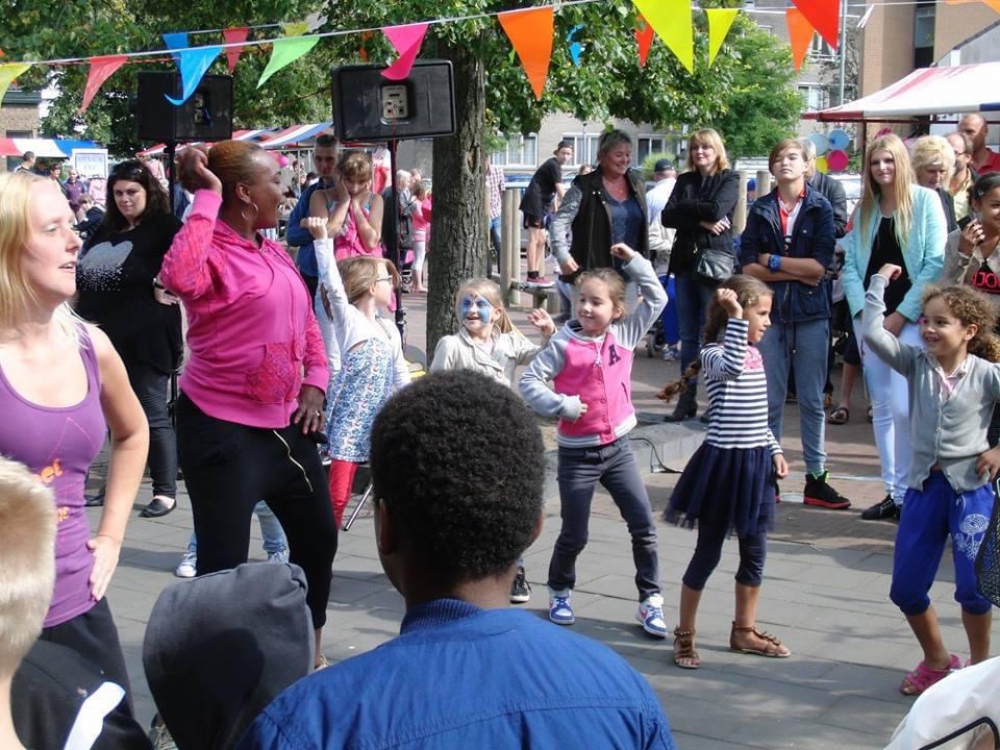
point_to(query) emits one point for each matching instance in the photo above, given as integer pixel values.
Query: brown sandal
(770, 647)
(684, 650)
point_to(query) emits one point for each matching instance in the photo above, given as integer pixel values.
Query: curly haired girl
(953, 386)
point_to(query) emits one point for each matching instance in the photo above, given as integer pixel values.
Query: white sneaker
(650, 616)
(188, 567)
(278, 557)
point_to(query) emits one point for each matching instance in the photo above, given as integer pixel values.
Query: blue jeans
(495, 238)
(804, 347)
(613, 465)
(692, 298)
(270, 529)
(930, 516)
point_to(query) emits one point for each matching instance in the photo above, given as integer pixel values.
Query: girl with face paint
(490, 344)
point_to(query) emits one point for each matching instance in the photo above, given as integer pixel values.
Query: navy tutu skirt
(731, 488)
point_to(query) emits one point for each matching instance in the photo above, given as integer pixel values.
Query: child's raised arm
(329, 273)
(900, 357)
(632, 327)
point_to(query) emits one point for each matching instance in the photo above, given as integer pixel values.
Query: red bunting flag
(824, 17)
(101, 69)
(233, 36)
(644, 38)
(800, 34)
(531, 32)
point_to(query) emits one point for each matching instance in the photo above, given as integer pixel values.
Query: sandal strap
(762, 634)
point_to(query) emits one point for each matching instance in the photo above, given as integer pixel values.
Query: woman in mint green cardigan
(901, 223)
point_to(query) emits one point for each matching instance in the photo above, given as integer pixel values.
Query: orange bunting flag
(531, 33)
(800, 34)
(824, 17)
(101, 69)
(232, 36)
(672, 21)
(362, 51)
(644, 38)
(995, 4)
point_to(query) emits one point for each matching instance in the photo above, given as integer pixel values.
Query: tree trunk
(459, 233)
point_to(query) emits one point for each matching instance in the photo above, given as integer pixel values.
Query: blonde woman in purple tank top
(61, 386)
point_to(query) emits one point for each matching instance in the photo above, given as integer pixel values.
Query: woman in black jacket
(601, 209)
(115, 280)
(701, 210)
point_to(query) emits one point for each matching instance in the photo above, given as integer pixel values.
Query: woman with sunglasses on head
(701, 209)
(116, 285)
(252, 391)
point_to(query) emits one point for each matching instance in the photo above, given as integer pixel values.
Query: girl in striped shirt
(728, 485)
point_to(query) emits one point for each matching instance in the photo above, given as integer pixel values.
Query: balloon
(839, 139)
(837, 160)
(821, 164)
(821, 142)
(282, 161)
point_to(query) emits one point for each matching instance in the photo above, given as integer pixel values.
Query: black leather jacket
(696, 199)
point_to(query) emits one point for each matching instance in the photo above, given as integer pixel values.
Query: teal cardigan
(923, 255)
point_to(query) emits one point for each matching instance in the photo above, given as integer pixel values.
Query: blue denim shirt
(299, 237)
(457, 678)
(812, 237)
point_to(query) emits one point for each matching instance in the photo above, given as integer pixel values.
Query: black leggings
(94, 636)
(150, 386)
(228, 467)
(708, 552)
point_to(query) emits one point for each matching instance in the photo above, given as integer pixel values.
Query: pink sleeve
(185, 270)
(315, 361)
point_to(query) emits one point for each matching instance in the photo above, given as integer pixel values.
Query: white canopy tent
(925, 92)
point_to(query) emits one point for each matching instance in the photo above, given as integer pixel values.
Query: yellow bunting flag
(800, 34)
(8, 72)
(720, 20)
(672, 22)
(531, 31)
(286, 51)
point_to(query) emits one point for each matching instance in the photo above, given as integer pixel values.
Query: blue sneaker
(561, 607)
(650, 616)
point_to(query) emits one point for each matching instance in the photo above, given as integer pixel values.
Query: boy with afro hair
(458, 466)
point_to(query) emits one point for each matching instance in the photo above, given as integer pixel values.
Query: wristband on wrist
(774, 263)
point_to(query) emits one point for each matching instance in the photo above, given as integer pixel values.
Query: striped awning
(46, 148)
(238, 135)
(295, 135)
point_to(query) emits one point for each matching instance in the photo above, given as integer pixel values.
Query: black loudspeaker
(207, 115)
(369, 107)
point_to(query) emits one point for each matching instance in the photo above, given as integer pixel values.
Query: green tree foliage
(42, 30)
(744, 94)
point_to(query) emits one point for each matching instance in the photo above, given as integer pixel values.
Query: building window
(923, 35)
(820, 49)
(521, 151)
(649, 144)
(584, 147)
(812, 97)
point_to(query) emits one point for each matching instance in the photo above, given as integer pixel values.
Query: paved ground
(825, 594)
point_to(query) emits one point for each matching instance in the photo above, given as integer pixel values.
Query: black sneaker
(520, 591)
(887, 510)
(821, 494)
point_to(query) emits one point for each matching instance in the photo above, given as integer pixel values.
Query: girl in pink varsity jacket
(590, 365)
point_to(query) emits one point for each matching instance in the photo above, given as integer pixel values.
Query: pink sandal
(921, 678)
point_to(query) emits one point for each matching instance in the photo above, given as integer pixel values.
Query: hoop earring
(256, 210)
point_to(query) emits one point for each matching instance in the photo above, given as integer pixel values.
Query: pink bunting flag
(101, 69)
(407, 40)
(232, 36)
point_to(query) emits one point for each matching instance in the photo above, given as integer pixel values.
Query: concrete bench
(546, 297)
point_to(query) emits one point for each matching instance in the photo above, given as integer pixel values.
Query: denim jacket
(813, 237)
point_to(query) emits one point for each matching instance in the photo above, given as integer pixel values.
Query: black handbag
(713, 266)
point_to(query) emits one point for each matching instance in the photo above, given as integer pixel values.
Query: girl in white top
(489, 343)
(372, 365)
